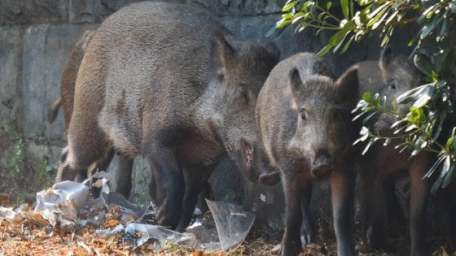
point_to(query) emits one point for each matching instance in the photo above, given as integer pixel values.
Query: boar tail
(54, 110)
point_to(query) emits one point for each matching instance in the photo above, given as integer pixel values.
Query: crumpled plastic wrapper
(160, 234)
(60, 204)
(7, 213)
(69, 204)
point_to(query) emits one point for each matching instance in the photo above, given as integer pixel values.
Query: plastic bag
(61, 202)
(232, 222)
(7, 213)
(160, 234)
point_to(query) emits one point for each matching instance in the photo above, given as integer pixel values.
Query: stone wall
(35, 39)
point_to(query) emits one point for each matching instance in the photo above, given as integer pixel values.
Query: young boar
(380, 164)
(166, 81)
(304, 126)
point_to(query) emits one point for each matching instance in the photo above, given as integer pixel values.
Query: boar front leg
(293, 190)
(195, 180)
(418, 198)
(170, 185)
(376, 232)
(342, 186)
(308, 227)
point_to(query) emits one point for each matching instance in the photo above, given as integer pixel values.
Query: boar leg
(124, 172)
(100, 165)
(195, 180)
(342, 193)
(418, 198)
(307, 229)
(377, 214)
(452, 227)
(170, 185)
(293, 190)
(365, 198)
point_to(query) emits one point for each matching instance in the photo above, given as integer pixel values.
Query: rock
(10, 73)
(239, 7)
(46, 49)
(33, 11)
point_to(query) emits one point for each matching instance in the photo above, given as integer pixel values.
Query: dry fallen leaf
(197, 253)
(4, 200)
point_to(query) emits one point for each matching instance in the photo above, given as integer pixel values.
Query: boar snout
(322, 163)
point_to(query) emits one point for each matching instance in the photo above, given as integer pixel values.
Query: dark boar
(304, 126)
(166, 81)
(380, 164)
(66, 101)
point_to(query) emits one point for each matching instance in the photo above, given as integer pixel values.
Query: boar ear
(295, 82)
(224, 51)
(386, 56)
(347, 85)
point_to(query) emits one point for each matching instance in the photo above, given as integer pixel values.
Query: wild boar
(66, 101)
(381, 163)
(304, 125)
(167, 81)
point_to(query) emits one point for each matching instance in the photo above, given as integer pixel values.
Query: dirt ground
(33, 235)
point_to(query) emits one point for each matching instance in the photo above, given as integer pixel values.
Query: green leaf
(289, 5)
(367, 147)
(325, 50)
(415, 116)
(347, 44)
(379, 21)
(427, 29)
(424, 97)
(345, 5)
(453, 7)
(434, 167)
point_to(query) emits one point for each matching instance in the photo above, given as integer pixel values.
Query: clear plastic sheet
(232, 222)
(60, 203)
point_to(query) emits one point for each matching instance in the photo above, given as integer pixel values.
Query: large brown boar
(304, 127)
(66, 101)
(166, 81)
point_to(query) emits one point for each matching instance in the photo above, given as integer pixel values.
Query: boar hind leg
(195, 181)
(418, 198)
(342, 193)
(170, 185)
(293, 190)
(308, 227)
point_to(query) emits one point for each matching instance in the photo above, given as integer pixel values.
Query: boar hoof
(306, 238)
(376, 240)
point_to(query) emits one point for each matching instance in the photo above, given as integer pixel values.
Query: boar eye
(392, 84)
